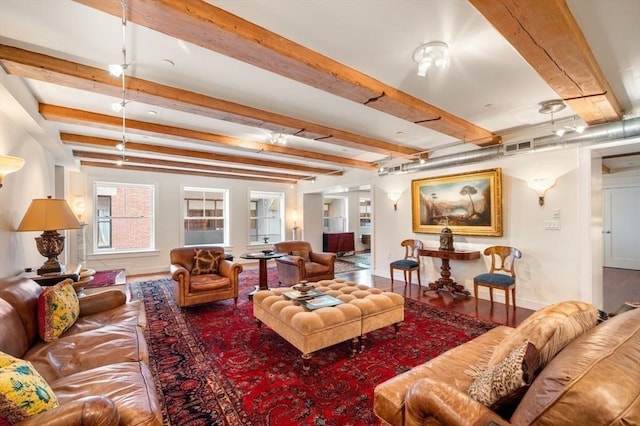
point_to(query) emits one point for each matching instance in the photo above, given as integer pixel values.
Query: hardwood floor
(620, 285)
(496, 313)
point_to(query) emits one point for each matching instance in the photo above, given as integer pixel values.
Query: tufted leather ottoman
(365, 309)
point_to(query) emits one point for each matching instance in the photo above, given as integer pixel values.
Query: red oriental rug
(214, 367)
(104, 278)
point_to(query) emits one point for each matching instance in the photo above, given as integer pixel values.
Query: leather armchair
(191, 289)
(303, 264)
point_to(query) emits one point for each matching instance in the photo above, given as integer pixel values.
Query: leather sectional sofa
(588, 375)
(97, 369)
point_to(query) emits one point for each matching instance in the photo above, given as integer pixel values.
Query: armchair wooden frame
(503, 258)
(410, 263)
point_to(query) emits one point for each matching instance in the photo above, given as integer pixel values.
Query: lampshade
(48, 214)
(9, 164)
(541, 185)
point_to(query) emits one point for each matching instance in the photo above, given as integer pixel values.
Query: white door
(622, 228)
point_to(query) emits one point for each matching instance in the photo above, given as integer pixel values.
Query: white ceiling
(487, 83)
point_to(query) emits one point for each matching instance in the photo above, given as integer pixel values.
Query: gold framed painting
(468, 203)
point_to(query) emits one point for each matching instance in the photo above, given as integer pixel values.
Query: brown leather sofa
(303, 264)
(191, 289)
(594, 380)
(98, 369)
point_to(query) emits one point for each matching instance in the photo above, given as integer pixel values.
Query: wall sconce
(432, 54)
(9, 164)
(78, 207)
(49, 215)
(541, 186)
(394, 196)
(294, 216)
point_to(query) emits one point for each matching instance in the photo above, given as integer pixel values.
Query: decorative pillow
(205, 262)
(58, 310)
(550, 329)
(304, 254)
(502, 386)
(23, 392)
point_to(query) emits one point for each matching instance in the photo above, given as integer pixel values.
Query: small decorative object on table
(267, 252)
(446, 237)
(303, 287)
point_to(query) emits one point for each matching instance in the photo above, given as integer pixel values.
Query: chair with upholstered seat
(410, 263)
(502, 274)
(301, 263)
(202, 275)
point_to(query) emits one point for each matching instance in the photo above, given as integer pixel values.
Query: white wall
(549, 270)
(34, 180)
(168, 214)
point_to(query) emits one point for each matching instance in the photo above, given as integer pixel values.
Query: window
(335, 214)
(266, 217)
(124, 217)
(365, 216)
(205, 216)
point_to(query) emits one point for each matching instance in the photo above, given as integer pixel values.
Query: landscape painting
(468, 203)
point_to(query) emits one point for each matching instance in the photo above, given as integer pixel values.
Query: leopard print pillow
(502, 386)
(205, 262)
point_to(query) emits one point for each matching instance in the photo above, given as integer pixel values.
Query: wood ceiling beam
(547, 36)
(87, 118)
(58, 71)
(177, 171)
(212, 28)
(231, 172)
(75, 139)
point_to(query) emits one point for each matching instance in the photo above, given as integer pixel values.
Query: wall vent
(517, 147)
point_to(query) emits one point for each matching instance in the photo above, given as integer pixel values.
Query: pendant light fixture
(118, 70)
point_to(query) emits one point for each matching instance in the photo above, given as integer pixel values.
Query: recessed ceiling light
(169, 62)
(151, 112)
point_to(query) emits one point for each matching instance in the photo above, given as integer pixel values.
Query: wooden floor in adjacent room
(465, 305)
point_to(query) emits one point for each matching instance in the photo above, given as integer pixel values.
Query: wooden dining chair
(502, 274)
(410, 263)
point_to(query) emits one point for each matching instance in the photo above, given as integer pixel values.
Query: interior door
(622, 228)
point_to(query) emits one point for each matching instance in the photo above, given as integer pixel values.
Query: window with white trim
(205, 218)
(124, 217)
(266, 217)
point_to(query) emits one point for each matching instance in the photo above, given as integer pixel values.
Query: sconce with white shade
(78, 207)
(294, 217)
(432, 54)
(395, 197)
(8, 165)
(541, 186)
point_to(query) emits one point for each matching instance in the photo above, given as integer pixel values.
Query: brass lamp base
(50, 244)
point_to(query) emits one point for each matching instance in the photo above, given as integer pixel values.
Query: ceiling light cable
(123, 145)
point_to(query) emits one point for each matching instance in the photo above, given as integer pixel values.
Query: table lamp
(49, 215)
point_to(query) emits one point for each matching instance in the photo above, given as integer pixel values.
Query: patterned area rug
(360, 258)
(106, 278)
(214, 367)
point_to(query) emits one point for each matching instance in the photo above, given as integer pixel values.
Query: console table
(445, 281)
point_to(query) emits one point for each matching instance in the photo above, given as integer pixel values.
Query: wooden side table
(262, 258)
(53, 278)
(445, 282)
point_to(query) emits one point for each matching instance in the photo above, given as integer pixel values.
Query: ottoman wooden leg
(362, 344)
(306, 363)
(259, 324)
(397, 327)
(355, 344)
